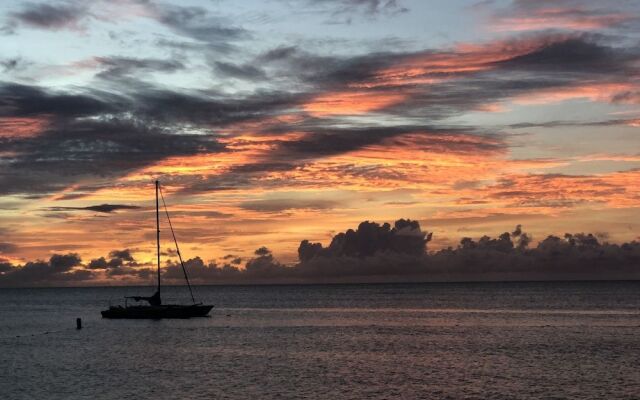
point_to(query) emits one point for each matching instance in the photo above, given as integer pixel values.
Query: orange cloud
(22, 127)
(620, 189)
(558, 18)
(602, 92)
(492, 108)
(422, 161)
(351, 102)
(436, 67)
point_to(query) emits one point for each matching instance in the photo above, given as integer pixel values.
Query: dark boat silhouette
(155, 309)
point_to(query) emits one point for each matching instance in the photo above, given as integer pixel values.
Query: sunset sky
(269, 122)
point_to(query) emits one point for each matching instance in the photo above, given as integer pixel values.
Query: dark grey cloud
(367, 6)
(70, 150)
(117, 259)
(122, 254)
(574, 256)
(199, 272)
(64, 262)
(262, 268)
(574, 55)
(101, 208)
(344, 11)
(182, 45)
(210, 108)
(142, 102)
(57, 271)
(50, 16)
(18, 100)
(369, 239)
(627, 97)
(140, 273)
(245, 72)
(104, 134)
(6, 247)
(5, 266)
(327, 141)
(119, 67)
(297, 65)
(263, 167)
(9, 64)
(13, 64)
(98, 263)
(197, 23)
(262, 251)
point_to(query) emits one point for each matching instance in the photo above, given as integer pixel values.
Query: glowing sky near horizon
(269, 122)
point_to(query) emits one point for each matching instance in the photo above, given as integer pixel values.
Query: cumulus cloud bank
(60, 269)
(371, 253)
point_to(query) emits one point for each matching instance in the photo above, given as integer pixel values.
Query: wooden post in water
(78, 323)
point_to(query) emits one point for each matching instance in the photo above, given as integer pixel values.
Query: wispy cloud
(565, 15)
(102, 208)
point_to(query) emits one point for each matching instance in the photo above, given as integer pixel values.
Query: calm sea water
(433, 341)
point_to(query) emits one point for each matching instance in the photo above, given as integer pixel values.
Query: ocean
(560, 340)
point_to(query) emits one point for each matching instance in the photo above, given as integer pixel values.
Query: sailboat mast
(158, 232)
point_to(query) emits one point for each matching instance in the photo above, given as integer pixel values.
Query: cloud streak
(101, 208)
(566, 15)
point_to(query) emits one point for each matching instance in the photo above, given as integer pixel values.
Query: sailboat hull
(157, 312)
(155, 309)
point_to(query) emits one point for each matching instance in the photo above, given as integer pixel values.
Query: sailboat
(155, 309)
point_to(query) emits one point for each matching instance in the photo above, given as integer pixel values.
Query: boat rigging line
(186, 277)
